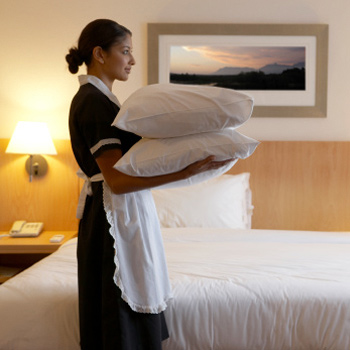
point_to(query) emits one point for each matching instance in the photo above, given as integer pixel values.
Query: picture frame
(309, 102)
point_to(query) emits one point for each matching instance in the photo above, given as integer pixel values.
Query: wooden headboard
(296, 185)
(51, 199)
(300, 185)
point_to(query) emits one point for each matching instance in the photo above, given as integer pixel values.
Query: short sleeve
(95, 123)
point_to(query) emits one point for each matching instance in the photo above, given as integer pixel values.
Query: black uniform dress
(106, 321)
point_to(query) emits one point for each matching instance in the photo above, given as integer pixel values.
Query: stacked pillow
(171, 110)
(181, 124)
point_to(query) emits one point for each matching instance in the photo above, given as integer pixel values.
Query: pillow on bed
(170, 110)
(221, 202)
(152, 157)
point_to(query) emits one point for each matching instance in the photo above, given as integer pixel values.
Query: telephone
(22, 228)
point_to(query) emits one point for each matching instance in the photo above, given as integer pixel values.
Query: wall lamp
(32, 138)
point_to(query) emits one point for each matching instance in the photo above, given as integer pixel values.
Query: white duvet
(233, 289)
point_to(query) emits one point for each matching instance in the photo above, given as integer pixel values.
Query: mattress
(233, 289)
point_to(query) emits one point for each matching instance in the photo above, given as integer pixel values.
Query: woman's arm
(121, 183)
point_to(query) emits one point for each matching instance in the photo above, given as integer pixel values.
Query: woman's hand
(206, 164)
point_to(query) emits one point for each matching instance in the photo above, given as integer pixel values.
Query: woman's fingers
(208, 163)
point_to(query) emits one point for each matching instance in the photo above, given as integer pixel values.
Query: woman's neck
(100, 74)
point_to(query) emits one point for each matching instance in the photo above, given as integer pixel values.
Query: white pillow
(221, 202)
(170, 110)
(152, 157)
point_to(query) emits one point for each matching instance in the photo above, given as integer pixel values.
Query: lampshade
(31, 138)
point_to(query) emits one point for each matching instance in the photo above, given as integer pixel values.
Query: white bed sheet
(233, 289)
(257, 289)
(39, 306)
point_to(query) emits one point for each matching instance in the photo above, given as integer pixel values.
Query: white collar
(99, 84)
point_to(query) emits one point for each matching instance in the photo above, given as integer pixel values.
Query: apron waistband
(86, 190)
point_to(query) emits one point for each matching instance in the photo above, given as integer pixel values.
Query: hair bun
(74, 60)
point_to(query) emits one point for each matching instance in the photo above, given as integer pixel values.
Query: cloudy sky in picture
(226, 59)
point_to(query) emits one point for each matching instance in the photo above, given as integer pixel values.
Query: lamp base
(36, 165)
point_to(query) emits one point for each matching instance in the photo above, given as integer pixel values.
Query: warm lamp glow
(31, 138)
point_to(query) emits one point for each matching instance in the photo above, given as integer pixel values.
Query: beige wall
(35, 35)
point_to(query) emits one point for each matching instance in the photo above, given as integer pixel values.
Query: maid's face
(119, 60)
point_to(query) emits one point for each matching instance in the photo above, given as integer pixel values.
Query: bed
(234, 287)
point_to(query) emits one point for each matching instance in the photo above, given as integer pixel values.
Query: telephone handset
(22, 228)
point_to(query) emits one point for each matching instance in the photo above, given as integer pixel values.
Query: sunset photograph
(239, 67)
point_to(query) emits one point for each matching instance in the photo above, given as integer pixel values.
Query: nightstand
(17, 253)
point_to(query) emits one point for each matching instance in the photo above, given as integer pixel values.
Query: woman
(108, 320)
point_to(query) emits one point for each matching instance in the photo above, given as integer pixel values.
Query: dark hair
(101, 32)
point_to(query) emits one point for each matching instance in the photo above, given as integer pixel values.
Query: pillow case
(221, 202)
(171, 110)
(152, 157)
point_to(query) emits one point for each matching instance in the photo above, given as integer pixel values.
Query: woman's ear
(97, 53)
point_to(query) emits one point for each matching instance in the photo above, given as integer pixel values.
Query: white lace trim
(152, 309)
(104, 142)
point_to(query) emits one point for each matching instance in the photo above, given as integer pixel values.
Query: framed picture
(283, 66)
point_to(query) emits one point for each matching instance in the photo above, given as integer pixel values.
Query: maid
(122, 275)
